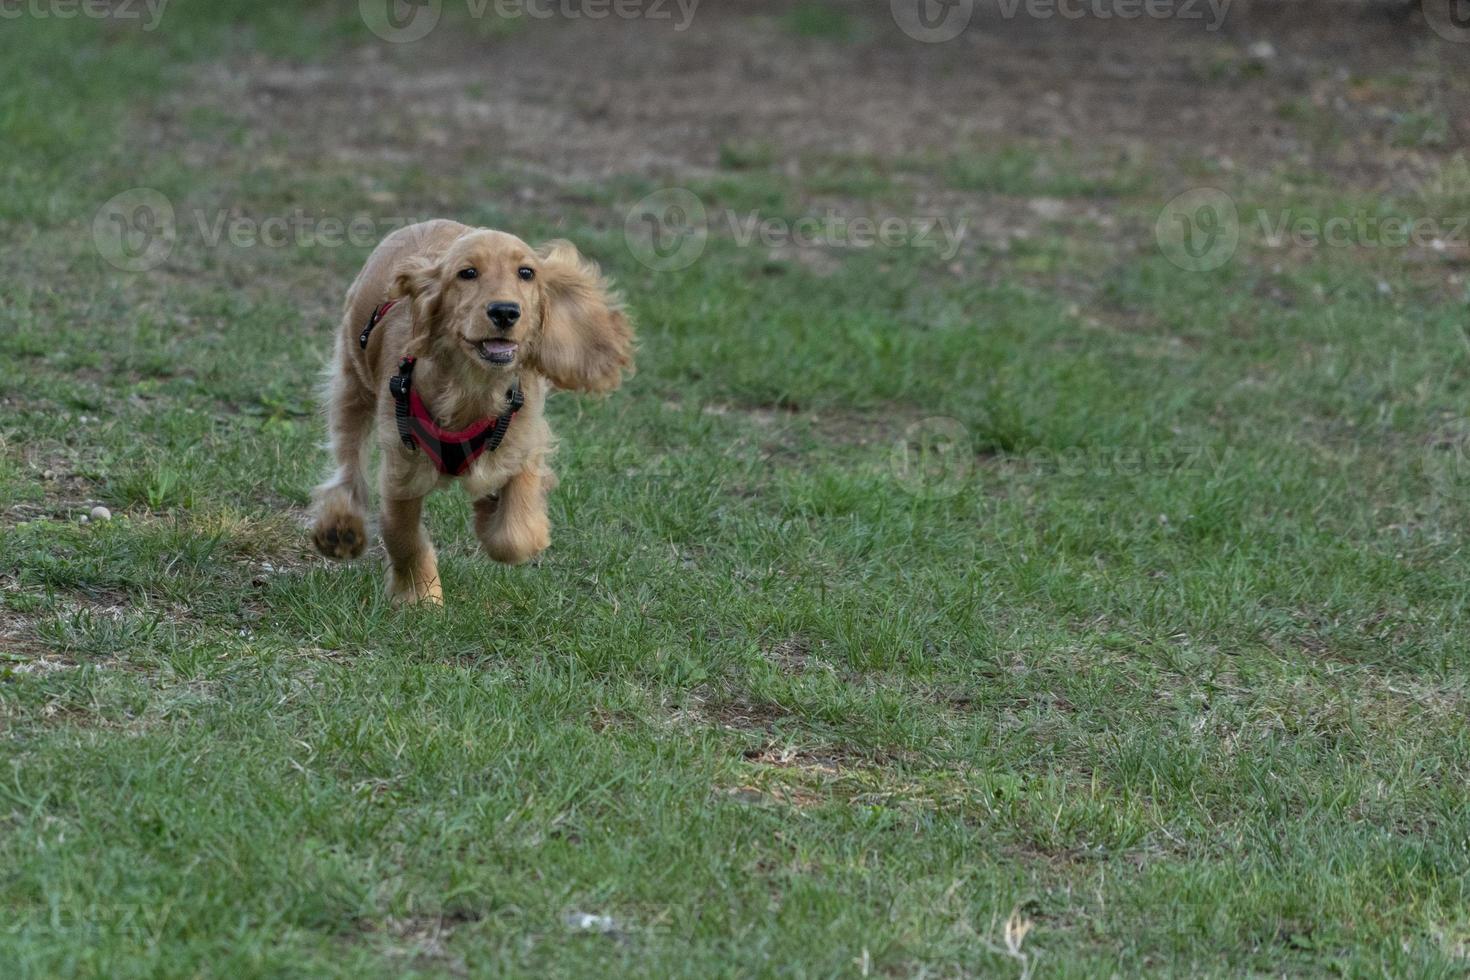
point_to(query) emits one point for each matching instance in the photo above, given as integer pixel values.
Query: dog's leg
(513, 527)
(340, 504)
(413, 571)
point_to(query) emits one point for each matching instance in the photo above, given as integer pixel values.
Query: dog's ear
(586, 341)
(418, 281)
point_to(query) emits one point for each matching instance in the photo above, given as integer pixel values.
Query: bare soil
(1319, 84)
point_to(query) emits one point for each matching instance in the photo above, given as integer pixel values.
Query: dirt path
(584, 100)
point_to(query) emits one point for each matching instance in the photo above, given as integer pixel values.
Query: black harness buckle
(502, 424)
(373, 321)
(399, 386)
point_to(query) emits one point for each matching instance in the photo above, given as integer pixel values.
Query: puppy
(451, 340)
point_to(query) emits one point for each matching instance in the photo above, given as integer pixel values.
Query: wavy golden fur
(571, 333)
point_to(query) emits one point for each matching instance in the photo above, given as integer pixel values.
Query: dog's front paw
(514, 544)
(340, 534)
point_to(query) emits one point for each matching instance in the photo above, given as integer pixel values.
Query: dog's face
(497, 302)
(489, 299)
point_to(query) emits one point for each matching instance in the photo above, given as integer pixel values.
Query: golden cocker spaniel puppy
(451, 340)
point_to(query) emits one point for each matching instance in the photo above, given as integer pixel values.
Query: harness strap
(400, 385)
(502, 422)
(373, 321)
(450, 452)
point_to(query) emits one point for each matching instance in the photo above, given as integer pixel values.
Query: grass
(814, 20)
(1023, 169)
(1162, 655)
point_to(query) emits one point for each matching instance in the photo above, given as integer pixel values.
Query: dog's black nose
(504, 315)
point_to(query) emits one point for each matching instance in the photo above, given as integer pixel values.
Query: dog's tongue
(497, 350)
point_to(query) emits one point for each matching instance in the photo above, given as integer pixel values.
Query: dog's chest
(493, 470)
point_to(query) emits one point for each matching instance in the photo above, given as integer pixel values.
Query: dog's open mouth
(496, 350)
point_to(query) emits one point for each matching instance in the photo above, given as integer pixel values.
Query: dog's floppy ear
(586, 341)
(418, 281)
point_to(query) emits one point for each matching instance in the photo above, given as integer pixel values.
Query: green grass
(1026, 170)
(1165, 655)
(816, 20)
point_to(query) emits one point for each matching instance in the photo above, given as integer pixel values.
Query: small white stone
(100, 513)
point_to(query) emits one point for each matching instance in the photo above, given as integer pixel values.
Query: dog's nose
(504, 315)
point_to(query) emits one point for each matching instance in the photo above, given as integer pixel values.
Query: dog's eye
(469, 273)
(526, 272)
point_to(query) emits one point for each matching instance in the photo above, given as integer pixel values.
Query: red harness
(450, 452)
